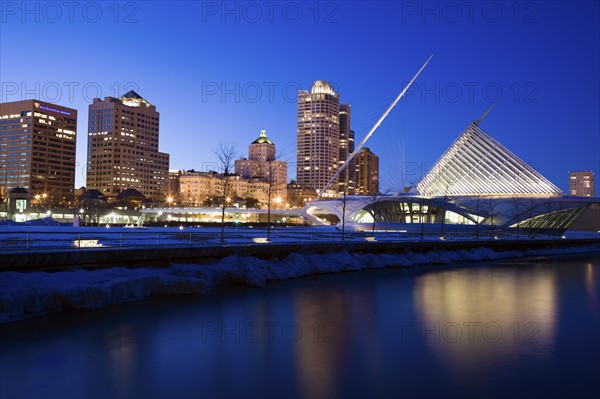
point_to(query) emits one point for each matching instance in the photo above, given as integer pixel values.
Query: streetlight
(37, 204)
(44, 196)
(169, 201)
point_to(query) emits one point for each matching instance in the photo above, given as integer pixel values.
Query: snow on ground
(24, 295)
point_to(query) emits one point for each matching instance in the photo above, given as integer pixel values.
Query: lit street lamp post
(37, 204)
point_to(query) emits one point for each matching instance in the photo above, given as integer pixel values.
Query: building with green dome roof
(261, 164)
(263, 139)
(262, 149)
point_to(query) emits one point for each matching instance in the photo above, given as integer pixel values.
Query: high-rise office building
(37, 148)
(366, 176)
(346, 180)
(318, 137)
(581, 183)
(123, 147)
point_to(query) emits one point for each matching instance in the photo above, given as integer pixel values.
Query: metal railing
(81, 240)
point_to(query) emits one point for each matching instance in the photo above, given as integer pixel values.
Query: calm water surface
(521, 328)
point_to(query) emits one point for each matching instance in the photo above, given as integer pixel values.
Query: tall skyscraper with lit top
(346, 183)
(123, 147)
(318, 137)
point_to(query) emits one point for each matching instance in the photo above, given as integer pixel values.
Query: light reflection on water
(480, 319)
(525, 328)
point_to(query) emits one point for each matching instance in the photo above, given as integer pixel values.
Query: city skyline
(539, 61)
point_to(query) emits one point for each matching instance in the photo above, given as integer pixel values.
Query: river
(510, 328)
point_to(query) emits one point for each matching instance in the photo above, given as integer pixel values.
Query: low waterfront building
(204, 188)
(18, 203)
(207, 215)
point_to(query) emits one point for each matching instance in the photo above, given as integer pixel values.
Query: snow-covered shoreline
(24, 295)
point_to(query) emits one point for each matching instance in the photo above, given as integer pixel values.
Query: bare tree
(443, 214)
(269, 192)
(531, 211)
(343, 199)
(422, 215)
(226, 154)
(517, 204)
(492, 203)
(375, 199)
(270, 180)
(477, 216)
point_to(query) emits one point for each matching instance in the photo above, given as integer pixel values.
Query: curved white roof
(477, 164)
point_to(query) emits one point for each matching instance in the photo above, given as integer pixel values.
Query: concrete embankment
(164, 256)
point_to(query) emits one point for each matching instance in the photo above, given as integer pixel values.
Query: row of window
(14, 121)
(110, 111)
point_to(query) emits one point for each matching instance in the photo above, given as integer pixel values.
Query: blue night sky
(224, 71)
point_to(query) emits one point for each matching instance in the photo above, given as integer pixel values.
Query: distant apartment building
(174, 185)
(196, 188)
(299, 195)
(318, 138)
(123, 135)
(258, 189)
(581, 183)
(366, 176)
(37, 149)
(261, 164)
(201, 188)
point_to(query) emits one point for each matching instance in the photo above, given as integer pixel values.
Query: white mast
(482, 117)
(364, 140)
